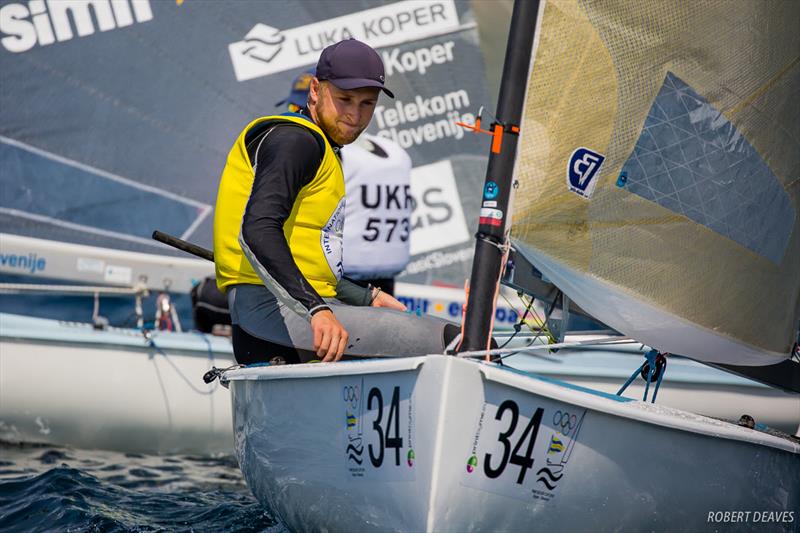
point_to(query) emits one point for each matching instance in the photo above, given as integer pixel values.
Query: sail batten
(658, 150)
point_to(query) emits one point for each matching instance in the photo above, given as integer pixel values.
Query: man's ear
(313, 91)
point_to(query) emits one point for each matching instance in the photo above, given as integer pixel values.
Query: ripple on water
(81, 490)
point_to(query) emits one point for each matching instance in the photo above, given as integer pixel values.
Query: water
(46, 488)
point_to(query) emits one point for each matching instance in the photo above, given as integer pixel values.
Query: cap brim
(348, 84)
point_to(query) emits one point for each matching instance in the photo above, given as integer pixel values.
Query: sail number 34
(388, 430)
(494, 467)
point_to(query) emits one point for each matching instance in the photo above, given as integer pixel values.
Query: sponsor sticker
(266, 50)
(88, 264)
(492, 217)
(491, 213)
(583, 170)
(378, 427)
(118, 274)
(522, 445)
(490, 190)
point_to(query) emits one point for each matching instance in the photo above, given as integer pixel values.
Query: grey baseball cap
(351, 64)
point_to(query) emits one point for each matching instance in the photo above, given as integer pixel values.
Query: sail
(116, 116)
(659, 171)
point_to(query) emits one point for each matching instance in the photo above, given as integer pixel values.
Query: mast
(494, 221)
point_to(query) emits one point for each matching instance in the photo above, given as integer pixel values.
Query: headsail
(659, 170)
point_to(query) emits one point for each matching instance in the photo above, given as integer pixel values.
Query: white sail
(658, 171)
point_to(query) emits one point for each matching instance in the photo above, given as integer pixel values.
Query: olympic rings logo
(565, 421)
(351, 393)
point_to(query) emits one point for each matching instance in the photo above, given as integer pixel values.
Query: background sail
(116, 115)
(660, 171)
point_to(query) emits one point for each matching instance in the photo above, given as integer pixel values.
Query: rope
(518, 325)
(542, 327)
(651, 360)
(158, 350)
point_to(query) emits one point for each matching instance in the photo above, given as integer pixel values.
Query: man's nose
(354, 112)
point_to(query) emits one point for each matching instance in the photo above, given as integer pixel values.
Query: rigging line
(541, 324)
(160, 351)
(533, 312)
(505, 250)
(539, 332)
(504, 247)
(498, 351)
(518, 325)
(544, 357)
(163, 393)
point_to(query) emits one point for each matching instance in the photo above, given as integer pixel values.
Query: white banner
(438, 219)
(266, 50)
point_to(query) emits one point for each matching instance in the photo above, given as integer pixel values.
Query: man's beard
(341, 137)
(331, 129)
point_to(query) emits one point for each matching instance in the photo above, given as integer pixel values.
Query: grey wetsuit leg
(373, 331)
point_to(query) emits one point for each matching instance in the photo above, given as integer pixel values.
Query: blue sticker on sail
(583, 168)
(490, 191)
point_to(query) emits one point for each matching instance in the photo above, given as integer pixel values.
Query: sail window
(692, 160)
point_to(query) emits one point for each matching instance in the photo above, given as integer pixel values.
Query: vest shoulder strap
(263, 127)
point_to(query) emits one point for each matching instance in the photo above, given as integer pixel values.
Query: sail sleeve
(658, 171)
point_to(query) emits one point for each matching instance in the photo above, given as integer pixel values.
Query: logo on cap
(302, 82)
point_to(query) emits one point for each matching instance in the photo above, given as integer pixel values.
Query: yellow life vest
(313, 229)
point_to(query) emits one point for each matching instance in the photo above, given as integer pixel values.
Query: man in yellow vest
(278, 230)
(377, 222)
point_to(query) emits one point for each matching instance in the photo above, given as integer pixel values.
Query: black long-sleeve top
(285, 158)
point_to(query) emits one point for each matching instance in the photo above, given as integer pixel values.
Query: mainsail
(116, 115)
(659, 171)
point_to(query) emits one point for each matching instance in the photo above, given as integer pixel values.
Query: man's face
(342, 114)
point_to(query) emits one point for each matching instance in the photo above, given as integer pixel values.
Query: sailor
(278, 230)
(377, 181)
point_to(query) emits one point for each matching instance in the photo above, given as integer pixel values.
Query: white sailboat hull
(68, 384)
(308, 440)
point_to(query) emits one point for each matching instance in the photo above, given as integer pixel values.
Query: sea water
(46, 488)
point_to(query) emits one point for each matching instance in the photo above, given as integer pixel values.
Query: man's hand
(330, 337)
(382, 299)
